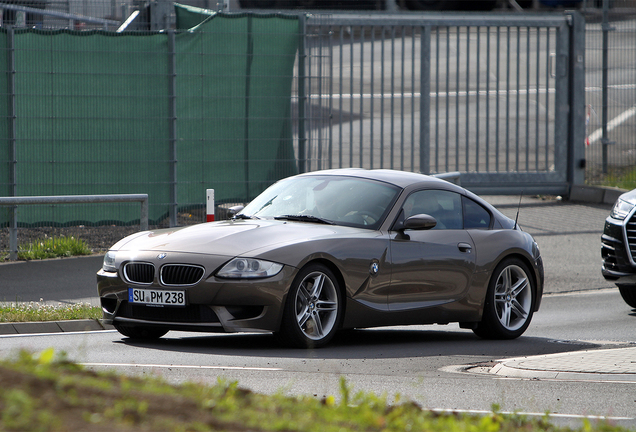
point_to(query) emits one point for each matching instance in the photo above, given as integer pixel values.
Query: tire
(135, 332)
(509, 303)
(628, 292)
(313, 309)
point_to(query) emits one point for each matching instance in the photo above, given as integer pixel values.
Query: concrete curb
(503, 370)
(595, 194)
(613, 364)
(52, 327)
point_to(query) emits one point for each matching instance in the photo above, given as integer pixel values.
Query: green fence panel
(244, 143)
(91, 118)
(94, 116)
(190, 16)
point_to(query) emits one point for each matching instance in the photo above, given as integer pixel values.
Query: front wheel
(313, 308)
(628, 292)
(509, 302)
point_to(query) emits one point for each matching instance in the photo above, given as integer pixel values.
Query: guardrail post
(425, 99)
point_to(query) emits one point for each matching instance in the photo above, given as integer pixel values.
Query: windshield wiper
(304, 218)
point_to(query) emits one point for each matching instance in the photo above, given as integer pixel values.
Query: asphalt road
(424, 363)
(568, 234)
(421, 363)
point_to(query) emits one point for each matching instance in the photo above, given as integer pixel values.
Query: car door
(434, 266)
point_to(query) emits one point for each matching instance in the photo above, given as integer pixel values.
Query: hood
(229, 238)
(629, 197)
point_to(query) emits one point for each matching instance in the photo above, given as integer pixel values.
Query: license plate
(156, 297)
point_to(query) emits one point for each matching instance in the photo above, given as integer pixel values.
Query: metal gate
(498, 98)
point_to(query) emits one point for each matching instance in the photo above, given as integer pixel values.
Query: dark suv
(618, 247)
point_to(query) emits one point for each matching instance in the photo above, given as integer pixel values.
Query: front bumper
(213, 305)
(618, 260)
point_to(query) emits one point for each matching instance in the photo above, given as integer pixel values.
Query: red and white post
(210, 205)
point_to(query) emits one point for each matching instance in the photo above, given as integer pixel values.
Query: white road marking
(461, 93)
(437, 410)
(612, 124)
(173, 366)
(552, 415)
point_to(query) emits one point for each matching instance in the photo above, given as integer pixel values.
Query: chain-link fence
(611, 94)
(170, 107)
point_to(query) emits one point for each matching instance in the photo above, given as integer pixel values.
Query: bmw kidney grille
(179, 274)
(171, 274)
(140, 273)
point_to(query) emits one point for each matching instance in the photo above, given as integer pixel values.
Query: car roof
(401, 179)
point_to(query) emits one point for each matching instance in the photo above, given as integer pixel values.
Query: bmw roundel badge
(374, 269)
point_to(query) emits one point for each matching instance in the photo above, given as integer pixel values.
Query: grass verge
(45, 392)
(55, 247)
(40, 311)
(623, 178)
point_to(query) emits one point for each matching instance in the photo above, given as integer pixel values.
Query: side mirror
(417, 222)
(233, 211)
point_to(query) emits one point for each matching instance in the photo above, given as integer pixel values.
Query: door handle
(465, 247)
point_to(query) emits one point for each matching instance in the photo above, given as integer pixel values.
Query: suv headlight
(621, 209)
(240, 268)
(109, 262)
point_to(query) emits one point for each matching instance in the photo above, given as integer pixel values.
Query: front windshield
(341, 200)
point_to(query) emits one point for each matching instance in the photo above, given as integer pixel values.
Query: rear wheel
(628, 292)
(509, 302)
(135, 332)
(313, 308)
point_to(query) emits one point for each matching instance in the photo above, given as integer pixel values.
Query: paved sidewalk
(616, 364)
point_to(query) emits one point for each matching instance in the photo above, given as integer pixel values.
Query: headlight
(240, 268)
(621, 209)
(109, 262)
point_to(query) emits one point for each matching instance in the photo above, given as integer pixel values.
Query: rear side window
(475, 216)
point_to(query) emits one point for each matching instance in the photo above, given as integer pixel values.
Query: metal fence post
(13, 158)
(302, 97)
(605, 82)
(425, 100)
(576, 152)
(173, 127)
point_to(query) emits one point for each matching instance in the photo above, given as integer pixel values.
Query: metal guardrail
(68, 199)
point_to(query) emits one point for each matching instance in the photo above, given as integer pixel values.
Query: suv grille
(630, 230)
(141, 273)
(179, 274)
